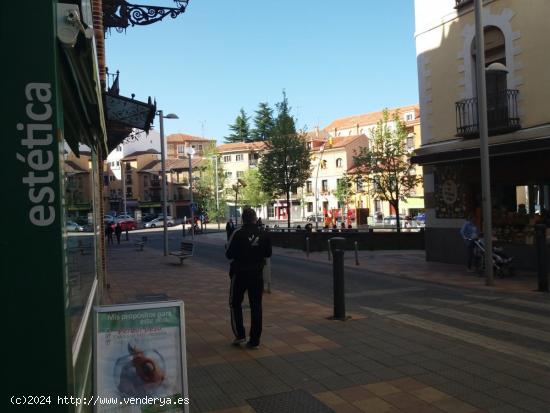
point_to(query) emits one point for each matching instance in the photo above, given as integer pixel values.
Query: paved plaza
(410, 346)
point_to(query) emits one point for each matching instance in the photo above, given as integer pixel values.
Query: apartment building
(331, 160)
(236, 159)
(177, 144)
(363, 125)
(517, 60)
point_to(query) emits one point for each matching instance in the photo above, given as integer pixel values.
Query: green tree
(286, 164)
(205, 187)
(263, 123)
(252, 192)
(240, 129)
(387, 162)
(343, 193)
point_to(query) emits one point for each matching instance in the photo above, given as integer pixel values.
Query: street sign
(139, 357)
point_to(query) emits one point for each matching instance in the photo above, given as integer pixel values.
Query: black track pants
(254, 284)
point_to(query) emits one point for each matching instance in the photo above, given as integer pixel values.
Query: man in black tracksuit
(248, 247)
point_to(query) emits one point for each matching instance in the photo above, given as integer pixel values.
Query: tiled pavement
(375, 363)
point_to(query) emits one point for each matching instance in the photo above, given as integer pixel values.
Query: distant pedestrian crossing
(513, 326)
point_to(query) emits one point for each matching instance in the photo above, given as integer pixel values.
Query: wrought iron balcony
(502, 114)
(462, 3)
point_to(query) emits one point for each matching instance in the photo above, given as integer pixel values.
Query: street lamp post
(484, 143)
(321, 150)
(164, 187)
(217, 194)
(190, 152)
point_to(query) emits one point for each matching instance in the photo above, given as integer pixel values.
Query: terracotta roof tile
(138, 153)
(183, 137)
(367, 119)
(242, 146)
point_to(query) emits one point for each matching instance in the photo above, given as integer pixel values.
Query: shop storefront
(520, 194)
(53, 277)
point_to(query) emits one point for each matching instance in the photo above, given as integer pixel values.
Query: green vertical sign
(38, 356)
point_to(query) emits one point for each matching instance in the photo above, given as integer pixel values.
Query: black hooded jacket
(248, 247)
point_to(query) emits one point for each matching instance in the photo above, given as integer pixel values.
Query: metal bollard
(307, 247)
(338, 285)
(328, 250)
(542, 259)
(356, 254)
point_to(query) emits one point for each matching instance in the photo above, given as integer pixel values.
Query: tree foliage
(386, 163)
(344, 191)
(240, 129)
(252, 191)
(286, 164)
(263, 123)
(205, 187)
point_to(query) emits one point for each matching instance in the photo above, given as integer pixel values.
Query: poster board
(140, 358)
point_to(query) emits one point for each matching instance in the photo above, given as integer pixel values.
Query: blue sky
(333, 58)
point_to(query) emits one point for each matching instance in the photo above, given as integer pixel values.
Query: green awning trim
(83, 113)
(80, 207)
(149, 204)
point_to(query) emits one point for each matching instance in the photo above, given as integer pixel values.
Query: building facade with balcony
(363, 197)
(237, 158)
(517, 60)
(331, 159)
(177, 144)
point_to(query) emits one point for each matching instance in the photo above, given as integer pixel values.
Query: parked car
(159, 222)
(313, 217)
(148, 217)
(124, 217)
(74, 227)
(391, 220)
(108, 218)
(420, 219)
(128, 224)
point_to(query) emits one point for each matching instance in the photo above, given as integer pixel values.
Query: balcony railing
(502, 114)
(462, 3)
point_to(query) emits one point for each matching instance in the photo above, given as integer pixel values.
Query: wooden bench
(140, 244)
(186, 251)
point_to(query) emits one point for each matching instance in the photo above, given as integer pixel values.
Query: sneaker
(238, 341)
(252, 345)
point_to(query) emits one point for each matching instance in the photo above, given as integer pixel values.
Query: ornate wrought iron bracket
(119, 14)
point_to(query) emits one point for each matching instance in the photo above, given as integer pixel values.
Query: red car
(125, 225)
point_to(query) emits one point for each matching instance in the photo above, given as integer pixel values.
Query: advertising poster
(140, 364)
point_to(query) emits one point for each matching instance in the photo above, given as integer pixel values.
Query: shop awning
(533, 140)
(81, 93)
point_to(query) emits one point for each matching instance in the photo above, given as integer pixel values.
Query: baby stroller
(501, 261)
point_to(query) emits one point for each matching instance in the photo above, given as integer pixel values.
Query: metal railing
(502, 114)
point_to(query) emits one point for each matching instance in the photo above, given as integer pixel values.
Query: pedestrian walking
(118, 232)
(260, 223)
(248, 247)
(469, 234)
(109, 232)
(229, 228)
